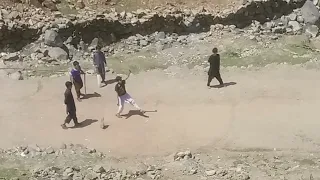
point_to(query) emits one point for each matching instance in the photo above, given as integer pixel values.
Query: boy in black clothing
(70, 106)
(214, 70)
(123, 96)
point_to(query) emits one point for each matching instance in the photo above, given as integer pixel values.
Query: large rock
(36, 3)
(312, 30)
(58, 53)
(12, 57)
(93, 45)
(52, 38)
(295, 26)
(50, 5)
(310, 12)
(16, 75)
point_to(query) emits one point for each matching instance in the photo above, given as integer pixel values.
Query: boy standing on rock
(214, 70)
(70, 106)
(123, 96)
(75, 77)
(99, 61)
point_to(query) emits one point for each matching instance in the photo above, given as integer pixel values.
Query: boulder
(14, 15)
(295, 26)
(16, 75)
(58, 53)
(36, 3)
(50, 5)
(93, 45)
(160, 36)
(52, 38)
(80, 4)
(293, 17)
(12, 57)
(312, 30)
(310, 12)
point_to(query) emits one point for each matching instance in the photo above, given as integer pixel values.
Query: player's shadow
(136, 112)
(85, 123)
(93, 95)
(224, 85)
(110, 81)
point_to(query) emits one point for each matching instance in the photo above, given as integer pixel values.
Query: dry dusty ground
(275, 107)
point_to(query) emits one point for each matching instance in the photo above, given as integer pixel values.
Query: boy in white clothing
(123, 96)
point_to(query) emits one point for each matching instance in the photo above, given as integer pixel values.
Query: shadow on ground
(137, 112)
(224, 85)
(85, 123)
(93, 95)
(110, 81)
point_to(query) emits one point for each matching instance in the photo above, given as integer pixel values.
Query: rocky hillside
(34, 37)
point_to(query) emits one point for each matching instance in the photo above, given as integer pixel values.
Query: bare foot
(79, 99)
(118, 115)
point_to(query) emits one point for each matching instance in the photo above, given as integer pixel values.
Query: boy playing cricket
(123, 96)
(75, 78)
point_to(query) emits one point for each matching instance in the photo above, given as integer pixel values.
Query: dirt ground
(271, 108)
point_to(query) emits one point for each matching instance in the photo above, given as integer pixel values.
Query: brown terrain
(263, 125)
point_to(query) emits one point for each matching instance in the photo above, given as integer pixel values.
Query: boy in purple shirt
(75, 77)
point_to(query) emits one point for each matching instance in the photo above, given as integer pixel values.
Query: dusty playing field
(270, 108)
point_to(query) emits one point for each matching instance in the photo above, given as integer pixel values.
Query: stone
(16, 75)
(300, 19)
(312, 30)
(67, 171)
(58, 54)
(210, 172)
(50, 5)
(77, 176)
(310, 12)
(269, 25)
(80, 4)
(293, 17)
(143, 42)
(295, 26)
(11, 57)
(14, 15)
(50, 150)
(160, 36)
(99, 169)
(284, 20)
(91, 176)
(63, 146)
(93, 45)
(52, 38)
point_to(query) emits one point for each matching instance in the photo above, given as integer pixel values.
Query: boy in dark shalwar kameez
(214, 70)
(70, 106)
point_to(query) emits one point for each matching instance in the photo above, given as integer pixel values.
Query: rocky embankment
(78, 162)
(34, 37)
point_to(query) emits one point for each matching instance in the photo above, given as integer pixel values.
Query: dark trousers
(102, 72)
(77, 87)
(72, 115)
(217, 76)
